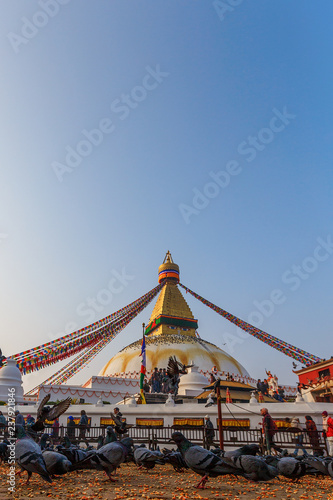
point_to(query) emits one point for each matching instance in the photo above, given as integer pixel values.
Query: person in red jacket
(269, 430)
(328, 430)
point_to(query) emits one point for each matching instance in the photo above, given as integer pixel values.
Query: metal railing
(156, 436)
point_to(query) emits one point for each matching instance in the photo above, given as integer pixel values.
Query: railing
(156, 436)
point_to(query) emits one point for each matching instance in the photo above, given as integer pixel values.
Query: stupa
(11, 382)
(172, 331)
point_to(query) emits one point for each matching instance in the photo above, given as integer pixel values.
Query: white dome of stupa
(172, 332)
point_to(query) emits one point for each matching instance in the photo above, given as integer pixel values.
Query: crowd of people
(299, 431)
(270, 387)
(159, 382)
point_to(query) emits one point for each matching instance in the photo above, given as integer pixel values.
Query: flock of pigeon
(49, 461)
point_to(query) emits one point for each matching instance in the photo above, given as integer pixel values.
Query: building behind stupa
(172, 331)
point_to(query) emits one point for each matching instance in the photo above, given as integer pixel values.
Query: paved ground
(162, 483)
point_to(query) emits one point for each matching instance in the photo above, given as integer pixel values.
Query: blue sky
(200, 95)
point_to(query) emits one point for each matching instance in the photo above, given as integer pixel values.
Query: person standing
(55, 431)
(30, 420)
(71, 428)
(209, 432)
(19, 419)
(311, 430)
(269, 430)
(3, 420)
(83, 425)
(259, 386)
(296, 427)
(146, 386)
(3, 423)
(155, 381)
(213, 374)
(120, 425)
(165, 382)
(328, 431)
(265, 387)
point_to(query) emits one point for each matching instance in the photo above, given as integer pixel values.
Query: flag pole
(143, 365)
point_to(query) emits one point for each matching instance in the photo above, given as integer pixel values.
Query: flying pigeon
(203, 461)
(175, 367)
(29, 455)
(47, 413)
(120, 426)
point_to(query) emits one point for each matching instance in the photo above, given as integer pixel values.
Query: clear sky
(133, 128)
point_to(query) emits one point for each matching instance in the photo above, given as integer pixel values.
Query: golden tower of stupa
(171, 312)
(171, 331)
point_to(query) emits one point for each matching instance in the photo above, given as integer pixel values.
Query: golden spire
(171, 313)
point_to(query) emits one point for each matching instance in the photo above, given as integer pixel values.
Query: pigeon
(100, 441)
(324, 465)
(255, 468)
(175, 459)
(110, 456)
(47, 413)
(4, 452)
(79, 458)
(203, 461)
(291, 468)
(44, 441)
(110, 435)
(56, 463)
(247, 449)
(148, 458)
(121, 427)
(66, 442)
(29, 455)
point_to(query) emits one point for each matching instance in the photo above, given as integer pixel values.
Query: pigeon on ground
(47, 413)
(79, 458)
(148, 458)
(110, 456)
(255, 468)
(291, 468)
(175, 459)
(44, 441)
(29, 455)
(56, 463)
(4, 451)
(247, 449)
(323, 465)
(100, 441)
(110, 435)
(203, 461)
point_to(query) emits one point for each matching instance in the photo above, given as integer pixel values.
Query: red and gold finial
(168, 270)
